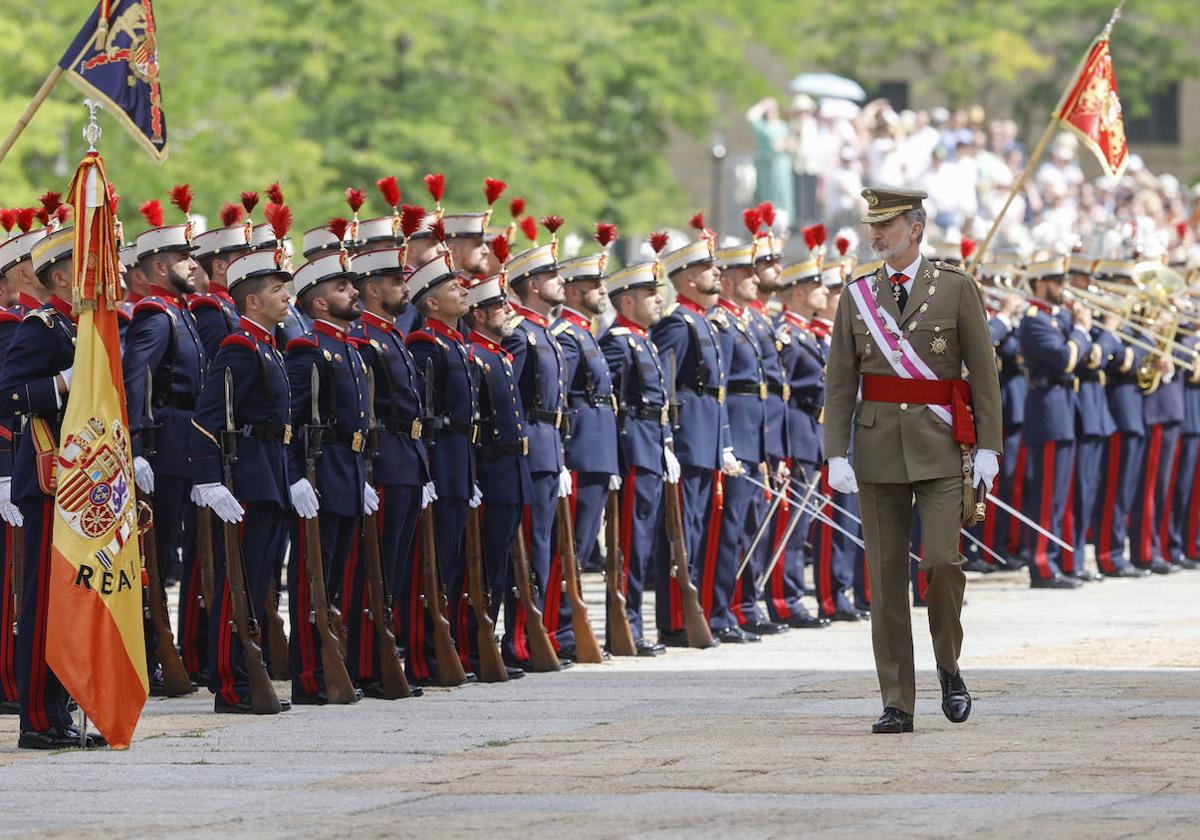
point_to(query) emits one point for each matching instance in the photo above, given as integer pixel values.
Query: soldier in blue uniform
(501, 462)
(401, 470)
(591, 443)
(645, 457)
(1053, 341)
(443, 361)
(1182, 547)
(1123, 454)
(325, 291)
(261, 407)
(34, 384)
(701, 436)
(163, 339)
(540, 371)
(746, 387)
(215, 313)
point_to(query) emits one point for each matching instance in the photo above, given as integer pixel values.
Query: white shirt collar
(910, 272)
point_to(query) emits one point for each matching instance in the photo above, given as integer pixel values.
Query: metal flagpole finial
(1116, 15)
(92, 132)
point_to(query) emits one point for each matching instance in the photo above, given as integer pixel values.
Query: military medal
(938, 345)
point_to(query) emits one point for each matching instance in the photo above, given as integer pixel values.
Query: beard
(397, 308)
(346, 312)
(181, 282)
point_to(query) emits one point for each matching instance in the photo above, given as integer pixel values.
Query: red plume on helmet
(390, 190)
(1181, 228)
(606, 234)
(61, 213)
(752, 219)
(439, 231)
(279, 217)
(51, 201)
(814, 236)
(967, 247)
(435, 182)
(842, 244)
(411, 216)
(249, 201)
(152, 212)
(516, 207)
(275, 193)
(231, 214)
(697, 222)
(338, 226)
(25, 217)
(8, 218)
(355, 198)
(658, 241)
(552, 224)
(529, 228)
(500, 248)
(181, 196)
(493, 188)
(767, 211)
(42, 215)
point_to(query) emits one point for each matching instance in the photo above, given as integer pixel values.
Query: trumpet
(1151, 341)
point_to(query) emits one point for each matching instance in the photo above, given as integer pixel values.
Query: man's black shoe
(59, 738)
(1056, 582)
(847, 615)
(1128, 571)
(1159, 566)
(892, 721)
(1185, 562)
(644, 648)
(244, 707)
(567, 652)
(735, 636)
(1085, 575)
(375, 691)
(765, 628)
(673, 638)
(808, 621)
(10, 707)
(514, 673)
(956, 700)
(978, 564)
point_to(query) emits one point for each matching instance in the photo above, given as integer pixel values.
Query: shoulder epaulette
(240, 340)
(203, 302)
(559, 329)
(419, 335)
(303, 342)
(123, 315)
(1032, 312)
(619, 331)
(9, 317)
(42, 315)
(150, 305)
(357, 341)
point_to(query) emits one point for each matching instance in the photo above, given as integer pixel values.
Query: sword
(1014, 512)
(762, 529)
(810, 488)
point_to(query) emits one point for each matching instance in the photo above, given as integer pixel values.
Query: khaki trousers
(887, 528)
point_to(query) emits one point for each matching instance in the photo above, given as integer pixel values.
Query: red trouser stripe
(1192, 531)
(1153, 455)
(675, 594)
(1018, 498)
(712, 543)
(1164, 515)
(520, 640)
(224, 648)
(1112, 480)
(8, 642)
(1046, 508)
(308, 659)
(778, 529)
(1068, 527)
(416, 615)
(628, 499)
(190, 624)
(825, 552)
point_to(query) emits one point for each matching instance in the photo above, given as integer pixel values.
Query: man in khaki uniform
(904, 334)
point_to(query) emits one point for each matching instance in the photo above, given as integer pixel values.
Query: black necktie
(898, 289)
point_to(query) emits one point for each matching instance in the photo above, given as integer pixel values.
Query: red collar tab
(373, 320)
(28, 301)
(219, 291)
(261, 335)
(487, 344)
(688, 303)
(131, 298)
(577, 319)
(326, 328)
(170, 297)
(820, 327)
(436, 327)
(758, 306)
(795, 320)
(730, 306)
(530, 315)
(1041, 305)
(63, 307)
(635, 328)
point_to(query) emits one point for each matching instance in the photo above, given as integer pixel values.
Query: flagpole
(1041, 146)
(30, 110)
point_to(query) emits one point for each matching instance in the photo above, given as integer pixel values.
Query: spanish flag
(94, 641)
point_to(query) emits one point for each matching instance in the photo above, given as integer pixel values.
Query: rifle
(694, 621)
(262, 693)
(391, 665)
(587, 649)
(204, 555)
(338, 688)
(491, 664)
(433, 598)
(619, 634)
(541, 652)
(276, 637)
(175, 675)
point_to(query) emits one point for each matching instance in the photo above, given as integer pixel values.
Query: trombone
(1151, 341)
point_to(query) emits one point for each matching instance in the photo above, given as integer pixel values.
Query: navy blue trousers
(1047, 488)
(1152, 500)
(641, 501)
(1086, 489)
(698, 505)
(835, 555)
(8, 640)
(304, 645)
(1121, 468)
(537, 523)
(42, 698)
(1183, 526)
(718, 569)
(589, 492)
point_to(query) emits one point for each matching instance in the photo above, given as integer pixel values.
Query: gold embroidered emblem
(938, 345)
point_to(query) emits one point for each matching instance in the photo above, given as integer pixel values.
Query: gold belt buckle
(287, 433)
(762, 390)
(558, 418)
(721, 395)
(524, 446)
(666, 416)
(474, 433)
(357, 442)
(415, 431)
(616, 408)
(787, 392)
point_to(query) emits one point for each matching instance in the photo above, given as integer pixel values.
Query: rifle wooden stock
(619, 634)
(698, 633)
(262, 693)
(491, 664)
(338, 688)
(17, 578)
(587, 649)
(276, 637)
(450, 669)
(541, 652)
(391, 667)
(204, 556)
(175, 676)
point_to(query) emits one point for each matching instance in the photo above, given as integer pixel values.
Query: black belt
(581, 401)
(657, 413)
(542, 415)
(409, 427)
(708, 391)
(356, 440)
(444, 424)
(758, 389)
(780, 390)
(269, 431)
(812, 407)
(178, 406)
(1051, 382)
(497, 450)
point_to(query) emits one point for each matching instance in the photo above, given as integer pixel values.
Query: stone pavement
(1086, 724)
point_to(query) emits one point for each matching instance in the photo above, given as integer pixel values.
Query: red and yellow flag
(1092, 109)
(95, 642)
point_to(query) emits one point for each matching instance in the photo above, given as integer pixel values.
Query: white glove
(476, 496)
(9, 512)
(197, 497)
(783, 472)
(986, 467)
(143, 474)
(671, 476)
(614, 482)
(428, 495)
(841, 476)
(217, 497)
(67, 375)
(304, 499)
(370, 500)
(564, 483)
(729, 462)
